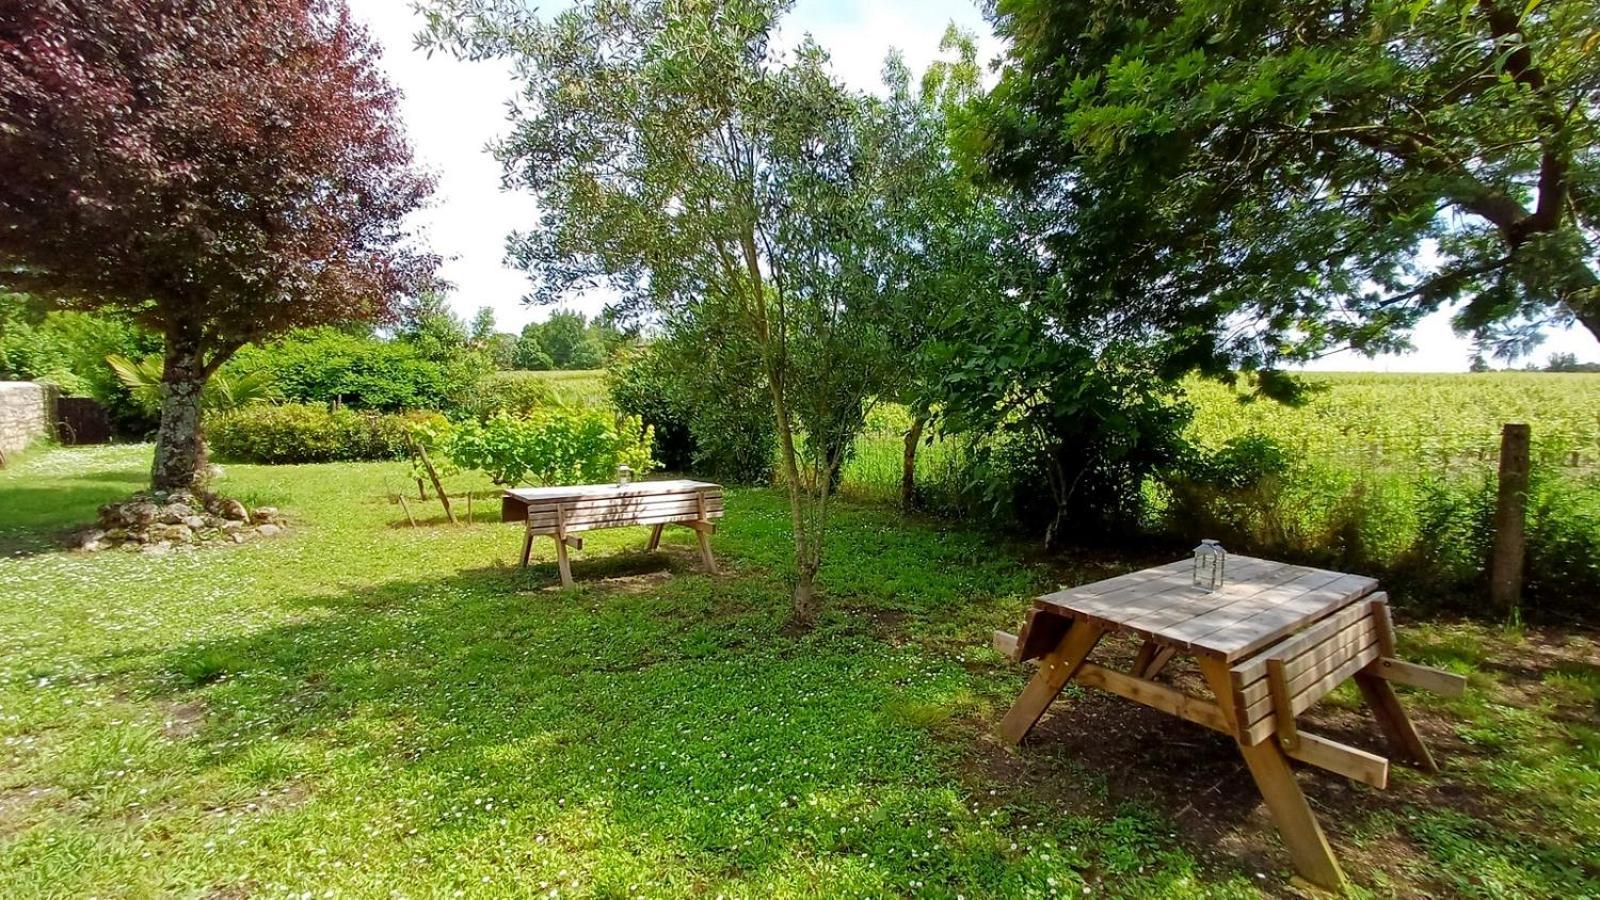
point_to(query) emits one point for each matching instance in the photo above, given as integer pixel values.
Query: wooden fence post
(1510, 519)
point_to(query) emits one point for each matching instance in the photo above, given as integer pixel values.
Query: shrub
(514, 394)
(322, 365)
(550, 446)
(714, 421)
(642, 385)
(307, 433)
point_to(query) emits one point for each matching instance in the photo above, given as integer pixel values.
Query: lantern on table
(1210, 565)
(624, 476)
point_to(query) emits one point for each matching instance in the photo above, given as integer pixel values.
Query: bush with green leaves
(320, 365)
(69, 349)
(715, 421)
(309, 433)
(549, 446)
(513, 394)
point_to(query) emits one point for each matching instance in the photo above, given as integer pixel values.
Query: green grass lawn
(360, 708)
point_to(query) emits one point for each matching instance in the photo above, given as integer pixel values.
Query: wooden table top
(1260, 602)
(591, 491)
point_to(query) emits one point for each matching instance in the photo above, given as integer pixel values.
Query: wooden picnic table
(561, 512)
(1272, 641)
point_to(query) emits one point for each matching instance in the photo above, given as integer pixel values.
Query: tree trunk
(180, 448)
(908, 465)
(805, 602)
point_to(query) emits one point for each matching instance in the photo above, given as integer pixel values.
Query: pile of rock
(158, 521)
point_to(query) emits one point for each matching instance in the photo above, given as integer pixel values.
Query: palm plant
(222, 391)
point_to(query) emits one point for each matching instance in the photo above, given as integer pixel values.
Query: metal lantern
(624, 475)
(1210, 565)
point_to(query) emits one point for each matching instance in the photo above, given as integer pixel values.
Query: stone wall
(27, 412)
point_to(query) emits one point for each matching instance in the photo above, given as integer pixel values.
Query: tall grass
(1389, 474)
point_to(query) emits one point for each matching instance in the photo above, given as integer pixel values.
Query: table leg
(701, 527)
(1297, 824)
(527, 546)
(1151, 659)
(1056, 668)
(1404, 741)
(655, 538)
(562, 562)
(1142, 659)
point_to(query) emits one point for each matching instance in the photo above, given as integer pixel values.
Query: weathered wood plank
(1242, 636)
(1159, 696)
(1313, 662)
(1304, 700)
(1056, 668)
(1122, 606)
(1351, 762)
(1286, 581)
(1005, 644)
(1255, 668)
(1447, 684)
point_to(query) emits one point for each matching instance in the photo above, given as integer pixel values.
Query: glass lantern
(1210, 565)
(624, 476)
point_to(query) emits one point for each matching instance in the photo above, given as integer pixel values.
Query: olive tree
(680, 159)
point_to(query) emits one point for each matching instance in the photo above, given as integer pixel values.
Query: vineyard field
(1417, 419)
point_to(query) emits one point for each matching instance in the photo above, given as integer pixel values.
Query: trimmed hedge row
(308, 433)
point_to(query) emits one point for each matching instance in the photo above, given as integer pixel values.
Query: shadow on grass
(41, 519)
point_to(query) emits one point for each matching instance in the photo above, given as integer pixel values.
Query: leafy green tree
(530, 354)
(329, 365)
(218, 172)
(502, 348)
(1263, 182)
(567, 338)
(482, 328)
(677, 158)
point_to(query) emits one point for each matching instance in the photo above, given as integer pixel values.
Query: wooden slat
(1041, 631)
(1168, 700)
(1236, 639)
(1175, 624)
(597, 514)
(1316, 691)
(1352, 763)
(1255, 668)
(1399, 671)
(1005, 644)
(621, 502)
(677, 519)
(1119, 607)
(637, 488)
(1135, 597)
(620, 509)
(1312, 663)
(1056, 668)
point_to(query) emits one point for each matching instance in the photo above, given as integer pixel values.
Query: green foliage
(1044, 409)
(324, 365)
(643, 385)
(1395, 475)
(223, 391)
(306, 433)
(514, 394)
(1326, 172)
(550, 446)
(69, 349)
(704, 420)
(564, 341)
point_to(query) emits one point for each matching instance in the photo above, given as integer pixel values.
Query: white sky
(454, 109)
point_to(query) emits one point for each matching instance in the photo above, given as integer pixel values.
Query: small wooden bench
(561, 512)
